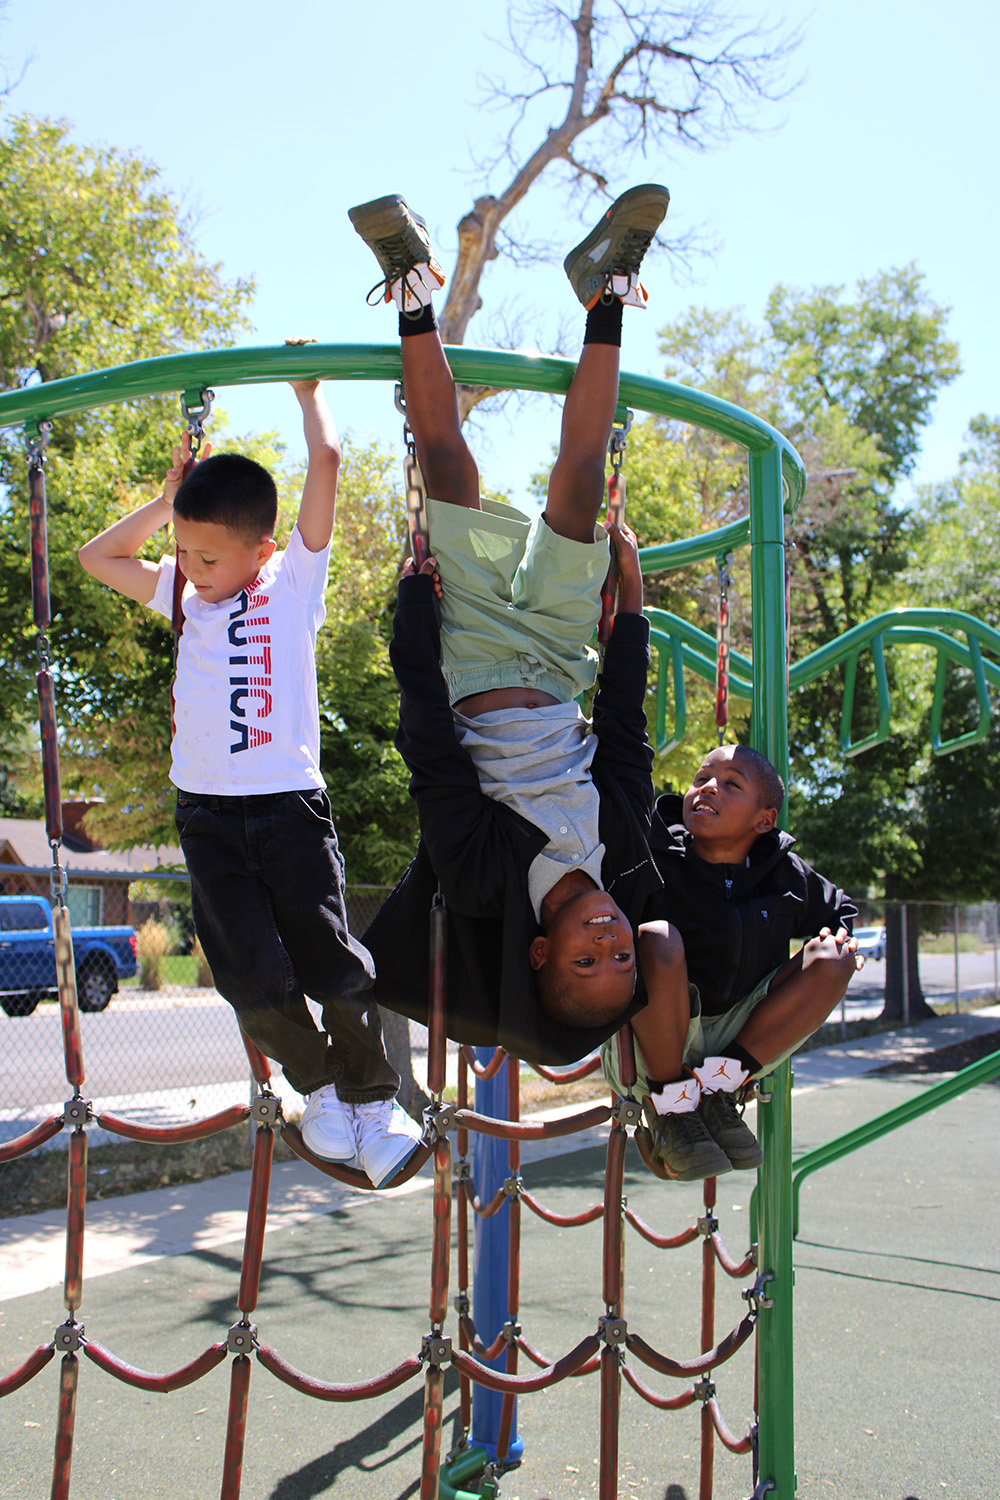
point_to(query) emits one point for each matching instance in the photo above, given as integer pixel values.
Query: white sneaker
(387, 1138)
(328, 1127)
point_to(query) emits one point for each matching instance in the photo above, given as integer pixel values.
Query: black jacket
(737, 921)
(480, 849)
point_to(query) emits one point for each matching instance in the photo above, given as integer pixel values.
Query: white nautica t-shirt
(246, 717)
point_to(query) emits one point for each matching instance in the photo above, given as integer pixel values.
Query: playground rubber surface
(897, 1309)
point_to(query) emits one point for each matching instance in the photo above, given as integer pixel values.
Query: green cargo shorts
(706, 1037)
(519, 603)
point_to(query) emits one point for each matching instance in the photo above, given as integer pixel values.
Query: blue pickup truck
(103, 955)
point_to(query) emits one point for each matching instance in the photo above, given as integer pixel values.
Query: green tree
(850, 379)
(98, 266)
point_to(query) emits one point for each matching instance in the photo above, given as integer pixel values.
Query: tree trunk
(396, 1035)
(892, 1010)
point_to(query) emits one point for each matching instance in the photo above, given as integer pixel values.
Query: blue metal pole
(491, 1248)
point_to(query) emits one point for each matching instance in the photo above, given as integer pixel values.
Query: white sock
(630, 289)
(721, 1075)
(678, 1098)
(416, 288)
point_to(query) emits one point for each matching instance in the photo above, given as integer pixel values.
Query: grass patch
(178, 969)
(34, 1184)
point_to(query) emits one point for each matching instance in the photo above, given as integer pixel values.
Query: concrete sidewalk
(897, 1316)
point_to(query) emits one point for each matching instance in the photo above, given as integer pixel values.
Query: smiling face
(587, 957)
(724, 808)
(219, 561)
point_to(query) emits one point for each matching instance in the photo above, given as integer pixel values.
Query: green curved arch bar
(193, 373)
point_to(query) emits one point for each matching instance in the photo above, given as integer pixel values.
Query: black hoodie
(480, 850)
(737, 920)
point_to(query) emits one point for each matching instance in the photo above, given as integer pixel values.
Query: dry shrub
(154, 941)
(203, 974)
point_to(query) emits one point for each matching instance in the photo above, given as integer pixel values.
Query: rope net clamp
(613, 1331)
(510, 1331)
(77, 1111)
(439, 1119)
(242, 1337)
(462, 1170)
(754, 1295)
(266, 1110)
(462, 1304)
(708, 1225)
(704, 1389)
(69, 1336)
(435, 1350)
(628, 1112)
(512, 1185)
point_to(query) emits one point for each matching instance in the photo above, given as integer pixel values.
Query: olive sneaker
(685, 1148)
(723, 1121)
(607, 262)
(400, 243)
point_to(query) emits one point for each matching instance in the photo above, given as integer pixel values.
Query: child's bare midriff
(509, 697)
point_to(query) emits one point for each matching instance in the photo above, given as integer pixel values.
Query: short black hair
(230, 490)
(559, 1002)
(769, 784)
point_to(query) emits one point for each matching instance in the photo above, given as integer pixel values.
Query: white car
(871, 941)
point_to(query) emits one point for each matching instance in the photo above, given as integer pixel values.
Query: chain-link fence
(953, 959)
(160, 1045)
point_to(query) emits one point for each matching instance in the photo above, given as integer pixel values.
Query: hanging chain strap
(36, 438)
(195, 408)
(416, 491)
(722, 563)
(617, 444)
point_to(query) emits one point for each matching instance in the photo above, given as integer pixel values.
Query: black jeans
(267, 889)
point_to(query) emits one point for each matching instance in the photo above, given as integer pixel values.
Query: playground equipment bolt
(242, 1337)
(69, 1336)
(77, 1111)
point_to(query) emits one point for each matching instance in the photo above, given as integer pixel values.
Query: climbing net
(613, 1351)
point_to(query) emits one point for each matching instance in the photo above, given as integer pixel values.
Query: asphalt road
(149, 1042)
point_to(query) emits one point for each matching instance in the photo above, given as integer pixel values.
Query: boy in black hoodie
(725, 1003)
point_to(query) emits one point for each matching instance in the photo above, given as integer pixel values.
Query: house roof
(24, 841)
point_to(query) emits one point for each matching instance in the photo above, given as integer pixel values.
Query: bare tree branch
(637, 77)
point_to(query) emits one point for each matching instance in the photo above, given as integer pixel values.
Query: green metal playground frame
(776, 485)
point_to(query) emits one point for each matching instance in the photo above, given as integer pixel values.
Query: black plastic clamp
(69, 1336)
(435, 1349)
(266, 1109)
(242, 1338)
(77, 1111)
(612, 1330)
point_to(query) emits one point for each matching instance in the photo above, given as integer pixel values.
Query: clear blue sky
(271, 120)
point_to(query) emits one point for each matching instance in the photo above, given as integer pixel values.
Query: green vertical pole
(769, 734)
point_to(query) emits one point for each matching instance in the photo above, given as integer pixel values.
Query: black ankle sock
(604, 323)
(743, 1057)
(425, 322)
